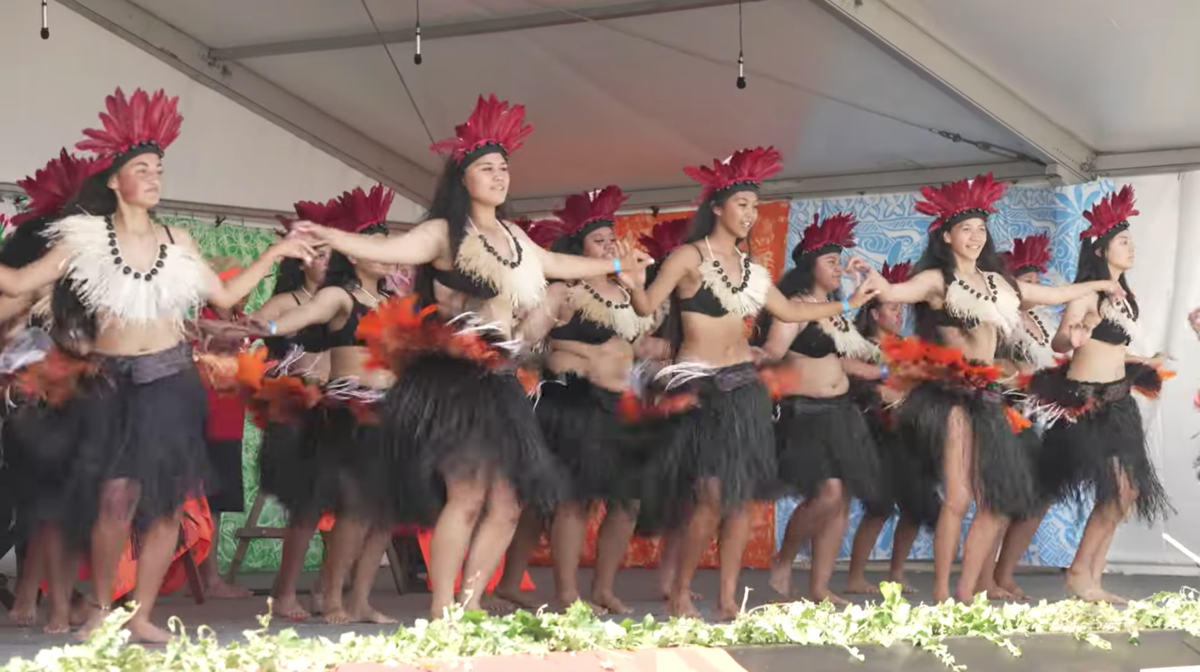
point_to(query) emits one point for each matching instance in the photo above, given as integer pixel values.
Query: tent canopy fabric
(859, 95)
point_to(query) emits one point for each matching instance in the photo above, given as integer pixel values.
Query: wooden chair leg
(395, 565)
(243, 545)
(192, 570)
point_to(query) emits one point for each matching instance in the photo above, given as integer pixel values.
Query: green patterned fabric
(245, 244)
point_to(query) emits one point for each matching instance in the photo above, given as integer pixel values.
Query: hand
(1159, 360)
(296, 247)
(632, 258)
(1113, 288)
(1080, 333)
(868, 290)
(758, 354)
(1194, 320)
(861, 268)
(317, 235)
(632, 280)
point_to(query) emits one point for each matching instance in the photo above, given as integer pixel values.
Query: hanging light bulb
(45, 20)
(417, 56)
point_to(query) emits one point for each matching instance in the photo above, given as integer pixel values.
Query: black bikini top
(456, 280)
(704, 301)
(345, 337)
(814, 342)
(312, 338)
(1109, 330)
(582, 331)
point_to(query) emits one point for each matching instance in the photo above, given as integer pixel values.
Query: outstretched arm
(1056, 295)
(421, 245)
(227, 294)
(322, 309)
(803, 311)
(574, 267)
(27, 279)
(646, 301)
(780, 337)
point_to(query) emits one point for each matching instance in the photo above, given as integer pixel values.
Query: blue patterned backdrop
(890, 230)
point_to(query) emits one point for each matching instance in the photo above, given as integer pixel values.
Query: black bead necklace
(607, 302)
(989, 295)
(115, 251)
(725, 276)
(487, 245)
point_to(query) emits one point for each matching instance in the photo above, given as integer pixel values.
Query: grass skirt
(293, 468)
(603, 457)
(827, 438)
(728, 436)
(450, 417)
(1099, 434)
(901, 486)
(144, 419)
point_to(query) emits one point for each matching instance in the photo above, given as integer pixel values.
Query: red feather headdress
(141, 124)
(355, 210)
(51, 188)
(1028, 254)
(834, 234)
(951, 203)
(1111, 215)
(896, 274)
(746, 169)
(585, 212)
(492, 124)
(665, 237)
(543, 232)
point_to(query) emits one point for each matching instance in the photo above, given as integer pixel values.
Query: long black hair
(865, 321)
(938, 255)
(342, 273)
(70, 318)
(451, 202)
(801, 278)
(1093, 263)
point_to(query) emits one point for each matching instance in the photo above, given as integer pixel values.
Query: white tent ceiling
(857, 94)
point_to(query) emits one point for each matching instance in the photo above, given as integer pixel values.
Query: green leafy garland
(466, 634)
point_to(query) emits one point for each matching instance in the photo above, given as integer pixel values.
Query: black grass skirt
(38, 452)
(294, 469)
(1085, 453)
(819, 439)
(902, 486)
(727, 436)
(602, 456)
(452, 418)
(143, 419)
(1005, 480)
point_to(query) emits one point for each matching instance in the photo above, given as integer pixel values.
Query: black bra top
(703, 301)
(812, 341)
(582, 331)
(460, 282)
(344, 337)
(311, 338)
(1110, 332)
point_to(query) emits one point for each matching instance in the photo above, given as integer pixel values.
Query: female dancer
(874, 321)
(25, 429)
(285, 470)
(1029, 351)
(464, 443)
(140, 433)
(825, 448)
(336, 466)
(955, 416)
(593, 337)
(1096, 440)
(721, 454)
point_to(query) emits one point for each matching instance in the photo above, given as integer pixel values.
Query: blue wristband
(883, 372)
(846, 306)
(271, 328)
(616, 265)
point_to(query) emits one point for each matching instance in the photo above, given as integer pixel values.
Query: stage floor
(229, 618)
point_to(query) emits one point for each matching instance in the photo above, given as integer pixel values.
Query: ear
(946, 236)
(112, 182)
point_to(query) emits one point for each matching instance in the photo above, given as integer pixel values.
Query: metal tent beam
(503, 24)
(810, 187)
(191, 57)
(887, 23)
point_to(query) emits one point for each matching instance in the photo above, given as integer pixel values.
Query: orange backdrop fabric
(768, 246)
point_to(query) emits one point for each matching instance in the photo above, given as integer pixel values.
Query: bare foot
(827, 596)
(317, 597)
(781, 579)
(609, 602)
(519, 598)
(999, 593)
(289, 608)
(1081, 586)
(94, 619)
(905, 587)
(499, 606)
(145, 632)
(218, 589)
(666, 595)
(365, 613)
(682, 608)
(1014, 591)
(336, 614)
(941, 594)
(1114, 599)
(22, 614)
(727, 612)
(859, 586)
